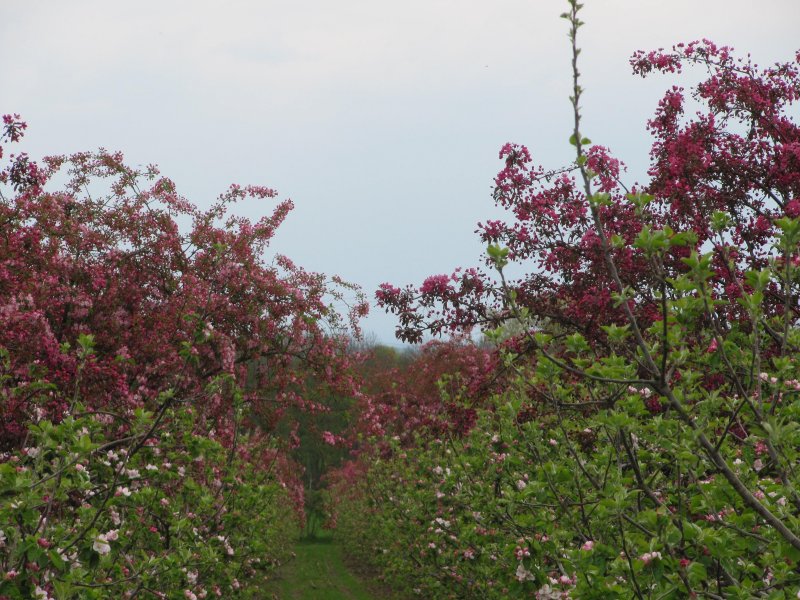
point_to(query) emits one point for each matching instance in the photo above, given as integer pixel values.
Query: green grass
(317, 573)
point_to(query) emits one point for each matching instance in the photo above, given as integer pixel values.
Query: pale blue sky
(381, 120)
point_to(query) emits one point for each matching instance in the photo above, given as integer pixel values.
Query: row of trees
(636, 432)
(630, 429)
(147, 352)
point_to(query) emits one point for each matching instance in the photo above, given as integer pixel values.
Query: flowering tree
(407, 400)
(648, 443)
(115, 265)
(129, 343)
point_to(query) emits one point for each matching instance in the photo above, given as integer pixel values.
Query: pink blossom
(522, 574)
(649, 557)
(101, 545)
(435, 284)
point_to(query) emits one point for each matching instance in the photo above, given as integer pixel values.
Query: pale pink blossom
(101, 545)
(649, 557)
(524, 574)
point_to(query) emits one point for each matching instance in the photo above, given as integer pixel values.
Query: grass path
(318, 573)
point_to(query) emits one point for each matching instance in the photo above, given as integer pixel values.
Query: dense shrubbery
(597, 504)
(645, 439)
(91, 516)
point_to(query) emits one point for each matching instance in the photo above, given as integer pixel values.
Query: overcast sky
(380, 120)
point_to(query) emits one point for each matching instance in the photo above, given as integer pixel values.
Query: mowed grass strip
(317, 573)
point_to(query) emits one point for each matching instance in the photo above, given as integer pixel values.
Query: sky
(382, 121)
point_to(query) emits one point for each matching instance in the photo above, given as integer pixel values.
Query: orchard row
(627, 426)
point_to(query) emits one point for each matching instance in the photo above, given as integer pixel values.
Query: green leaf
(576, 343)
(616, 333)
(86, 343)
(684, 238)
(696, 573)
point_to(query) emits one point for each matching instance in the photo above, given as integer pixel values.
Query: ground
(319, 572)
